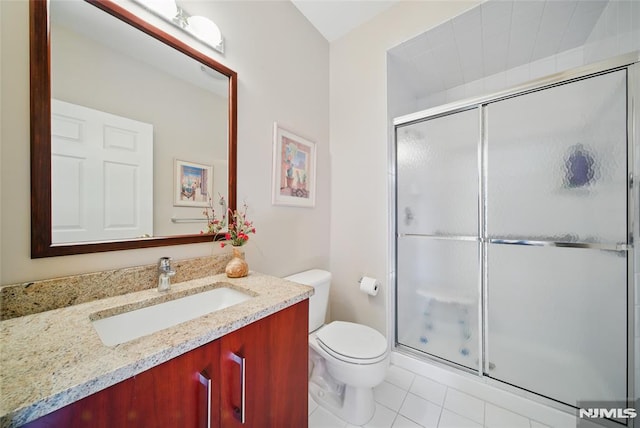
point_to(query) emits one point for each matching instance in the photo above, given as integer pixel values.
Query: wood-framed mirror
(184, 178)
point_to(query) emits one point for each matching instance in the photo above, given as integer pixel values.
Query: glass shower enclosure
(513, 236)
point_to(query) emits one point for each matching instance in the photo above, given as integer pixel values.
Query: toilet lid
(352, 340)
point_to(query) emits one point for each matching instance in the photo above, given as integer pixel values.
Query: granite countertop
(53, 358)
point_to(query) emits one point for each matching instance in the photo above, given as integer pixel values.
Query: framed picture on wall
(193, 184)
(294, 169)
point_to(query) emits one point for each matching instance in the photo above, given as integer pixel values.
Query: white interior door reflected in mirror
(101, 175)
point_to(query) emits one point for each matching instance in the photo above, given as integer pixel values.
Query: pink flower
(234, 222)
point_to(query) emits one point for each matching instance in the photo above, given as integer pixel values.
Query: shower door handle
(549, 242)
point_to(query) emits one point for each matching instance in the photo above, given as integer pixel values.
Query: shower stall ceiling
(499, 44)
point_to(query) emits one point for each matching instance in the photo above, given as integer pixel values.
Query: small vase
(237, 266)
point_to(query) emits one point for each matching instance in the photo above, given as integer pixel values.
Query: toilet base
(355, 406)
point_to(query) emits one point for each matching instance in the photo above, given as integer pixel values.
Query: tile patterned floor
(408, 400)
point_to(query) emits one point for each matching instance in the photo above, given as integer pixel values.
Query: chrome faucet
(165, 272)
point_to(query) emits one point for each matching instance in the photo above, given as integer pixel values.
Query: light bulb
(166, 8)
(204, 29)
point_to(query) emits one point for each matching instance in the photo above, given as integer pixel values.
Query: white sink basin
(130, 325)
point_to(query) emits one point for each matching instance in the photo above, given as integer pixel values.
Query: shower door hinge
(630, 180)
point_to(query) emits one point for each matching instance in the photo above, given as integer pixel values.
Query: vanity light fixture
(167, 9)
(199, 27)
(206, 31)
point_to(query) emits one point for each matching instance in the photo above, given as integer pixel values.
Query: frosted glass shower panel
(557, 163)
(557, 321)
(437, 304)
(437, 175)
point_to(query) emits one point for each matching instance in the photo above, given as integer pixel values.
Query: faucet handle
(165, 272)
(164, 264)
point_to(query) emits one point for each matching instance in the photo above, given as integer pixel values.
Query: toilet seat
(352, 343)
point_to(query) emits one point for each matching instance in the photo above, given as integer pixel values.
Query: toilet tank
(320, 280)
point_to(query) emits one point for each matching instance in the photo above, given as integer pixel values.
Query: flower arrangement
(236, 223)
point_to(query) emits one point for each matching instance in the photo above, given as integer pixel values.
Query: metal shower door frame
(630, 63)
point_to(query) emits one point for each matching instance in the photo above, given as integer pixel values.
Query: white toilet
(346, 360)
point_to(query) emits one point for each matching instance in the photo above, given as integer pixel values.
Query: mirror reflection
(139, 131)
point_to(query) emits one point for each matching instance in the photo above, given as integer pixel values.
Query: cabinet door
(175, 394)
(273, 353)
(169, 395)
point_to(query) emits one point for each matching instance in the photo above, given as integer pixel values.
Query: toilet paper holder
(369, 285)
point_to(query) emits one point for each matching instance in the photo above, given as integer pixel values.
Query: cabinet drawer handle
(204, 379)
(239, 411)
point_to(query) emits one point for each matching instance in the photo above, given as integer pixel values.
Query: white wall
(283, 73)
(4, 35)
(359, 160)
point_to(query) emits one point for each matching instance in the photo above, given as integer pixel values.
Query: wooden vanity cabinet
(174, 394)
(276, 371)
(168, 395)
